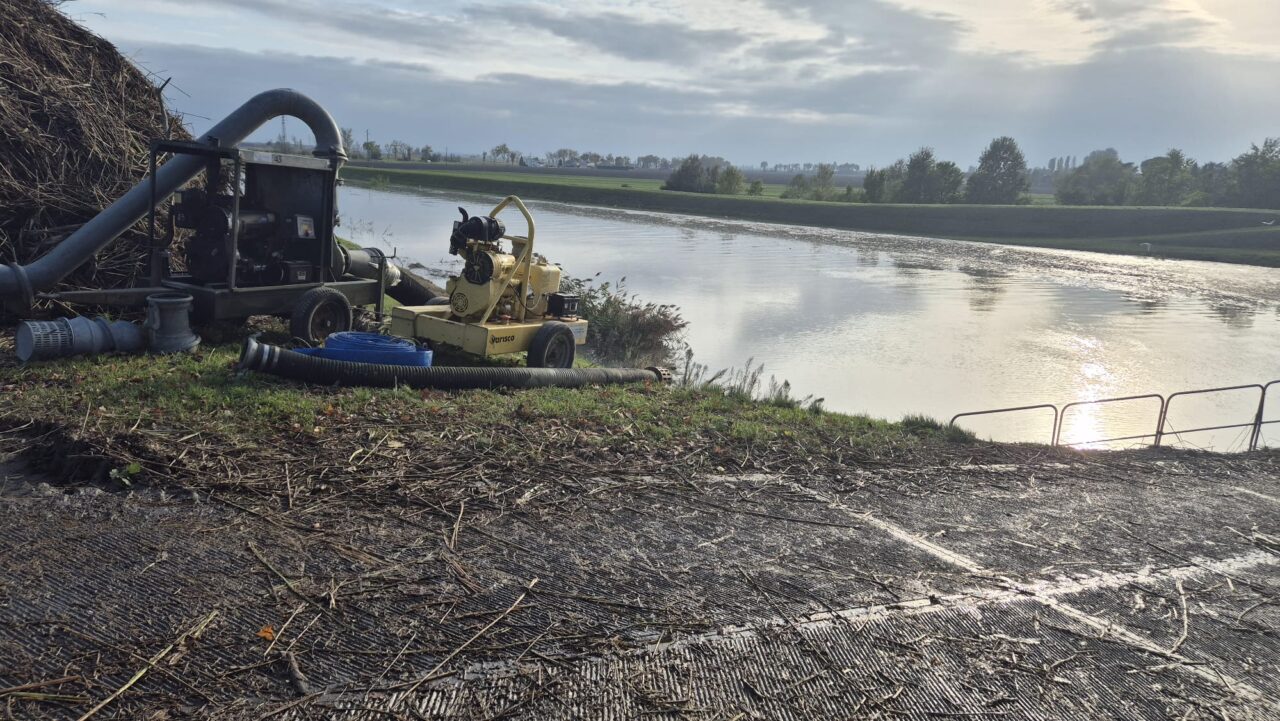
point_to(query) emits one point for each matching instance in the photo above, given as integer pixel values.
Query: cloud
(865, 81)
(617, 34)
(372, 22)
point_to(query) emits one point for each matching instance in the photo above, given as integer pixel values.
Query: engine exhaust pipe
(20, 283)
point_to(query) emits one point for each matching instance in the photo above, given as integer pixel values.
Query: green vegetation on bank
(1217, 234)
(1251, 180)
(158, 412)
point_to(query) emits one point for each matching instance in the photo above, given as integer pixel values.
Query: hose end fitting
(663, 374)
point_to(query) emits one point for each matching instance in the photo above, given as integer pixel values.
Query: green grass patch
(170, 414)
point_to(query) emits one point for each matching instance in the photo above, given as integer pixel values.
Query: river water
(891, 325)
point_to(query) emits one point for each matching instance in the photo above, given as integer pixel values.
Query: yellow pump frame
(431, 322)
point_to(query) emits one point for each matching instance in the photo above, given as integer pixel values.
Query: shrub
(625, 330)
(746, 383)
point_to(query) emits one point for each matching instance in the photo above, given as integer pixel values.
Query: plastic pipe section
(21, 283)
(63, 337)
(288, 364)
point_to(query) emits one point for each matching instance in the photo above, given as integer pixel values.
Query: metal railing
(1255, 424)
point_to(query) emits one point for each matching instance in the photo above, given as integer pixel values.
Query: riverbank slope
(1214, 234)
(290, 552)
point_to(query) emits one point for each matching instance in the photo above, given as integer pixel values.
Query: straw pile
(76, 119)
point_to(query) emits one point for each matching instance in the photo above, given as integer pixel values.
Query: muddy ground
(1044, 586)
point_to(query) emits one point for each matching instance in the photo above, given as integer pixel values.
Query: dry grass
(76, 120)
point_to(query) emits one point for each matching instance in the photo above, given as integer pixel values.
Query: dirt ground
(1050, 586)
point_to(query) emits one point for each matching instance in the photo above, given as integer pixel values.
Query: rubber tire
(439, 300)
(317, 301)
(553, 346)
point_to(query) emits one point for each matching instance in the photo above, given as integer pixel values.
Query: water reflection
(889, 325)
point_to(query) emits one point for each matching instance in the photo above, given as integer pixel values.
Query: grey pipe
(21, 283)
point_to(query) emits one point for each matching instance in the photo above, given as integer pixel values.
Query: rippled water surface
(890, 325)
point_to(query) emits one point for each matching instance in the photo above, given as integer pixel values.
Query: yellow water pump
(504, 301)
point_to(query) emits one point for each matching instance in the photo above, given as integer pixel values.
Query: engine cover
(469, 301)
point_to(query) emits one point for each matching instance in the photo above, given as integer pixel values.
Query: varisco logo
(495, 340)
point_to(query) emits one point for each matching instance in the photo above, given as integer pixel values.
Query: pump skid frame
(431, 322)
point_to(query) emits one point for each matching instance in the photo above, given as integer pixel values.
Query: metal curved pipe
(20, 283)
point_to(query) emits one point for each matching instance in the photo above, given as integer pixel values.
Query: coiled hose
(285, 363)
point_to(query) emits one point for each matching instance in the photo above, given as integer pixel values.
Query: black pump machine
(259, 241)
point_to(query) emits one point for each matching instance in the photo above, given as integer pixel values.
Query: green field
(598, 182)
(1215, 234)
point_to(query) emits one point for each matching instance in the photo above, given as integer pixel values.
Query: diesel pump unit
(504, 301)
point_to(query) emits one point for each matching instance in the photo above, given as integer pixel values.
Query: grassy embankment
(166, 418)
(1226, 235)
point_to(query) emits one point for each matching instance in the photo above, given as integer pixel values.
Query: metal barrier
(1259, 422)
(1162, 418)
(1164, 415)
(1052, 431)
(1057, 436)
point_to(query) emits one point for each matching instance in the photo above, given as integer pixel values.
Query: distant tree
(1102, 179)
(1213, 184)
(348, 140)
(947, 181)
(1001, 176)
(764, 165)
(873, 185)
(798, 187)
(1165, 180)
(924, 182)
(884, 185)
(372, 150)
(1257, 176)
(564, 156)
(757, 188)
(649, 161)
(916, 186)
(823, 186)
(692, 176)
(730, 181)
(591, 158)
(398, 150)
(501, 152)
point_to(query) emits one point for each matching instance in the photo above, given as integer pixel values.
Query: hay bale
(76, 121)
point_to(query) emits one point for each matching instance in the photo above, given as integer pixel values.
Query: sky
(863, 81)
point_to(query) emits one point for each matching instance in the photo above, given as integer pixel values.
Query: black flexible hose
(297, 366)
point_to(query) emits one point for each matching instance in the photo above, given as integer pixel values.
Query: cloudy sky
(862, 81)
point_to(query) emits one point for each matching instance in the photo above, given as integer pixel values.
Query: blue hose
(370, 348)
(325, 371)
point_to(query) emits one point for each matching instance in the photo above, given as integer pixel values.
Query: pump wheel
(319, 312)
(553, 346)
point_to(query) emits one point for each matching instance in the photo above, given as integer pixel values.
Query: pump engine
(494, 283)
(277, 230)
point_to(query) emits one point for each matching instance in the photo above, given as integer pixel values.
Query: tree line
(1251, 180)
(1001, 177)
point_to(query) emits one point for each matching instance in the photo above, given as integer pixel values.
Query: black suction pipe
(20, 283)
(298, 366)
